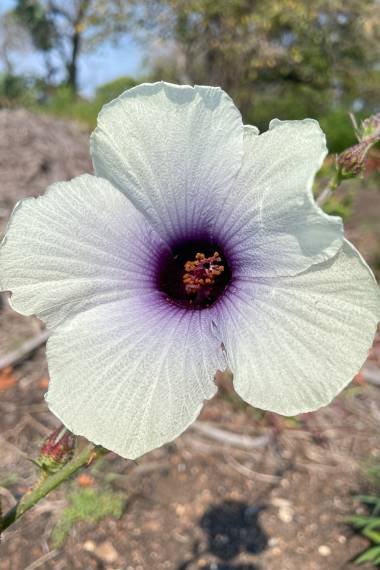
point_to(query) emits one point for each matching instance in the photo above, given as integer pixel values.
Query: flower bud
(350, 162)
(57, 449)
(371, 127)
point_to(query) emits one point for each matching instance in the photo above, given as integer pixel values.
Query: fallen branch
(371, 376)
(250, 473)
(20, 353)
(229, 438)
(38, 563)
(207, 447)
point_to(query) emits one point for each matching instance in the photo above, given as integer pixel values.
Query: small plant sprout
(196, 247)
(90, 505)
(368, 524)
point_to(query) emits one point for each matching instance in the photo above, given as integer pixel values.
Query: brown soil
(35, 151)
(197, 503)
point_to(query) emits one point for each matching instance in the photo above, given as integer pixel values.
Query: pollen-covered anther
(202, 272)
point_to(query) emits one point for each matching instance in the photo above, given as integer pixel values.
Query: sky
(102, 65)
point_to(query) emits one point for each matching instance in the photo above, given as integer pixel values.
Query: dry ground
(202, 502)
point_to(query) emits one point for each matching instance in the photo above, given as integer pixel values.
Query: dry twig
(371, 376)
(40, 561)
(250, 473)
(229, 438)
(28, 346)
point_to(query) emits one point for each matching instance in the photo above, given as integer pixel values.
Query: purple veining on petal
(165, 261)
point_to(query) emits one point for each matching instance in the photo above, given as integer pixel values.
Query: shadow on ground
(232, 528)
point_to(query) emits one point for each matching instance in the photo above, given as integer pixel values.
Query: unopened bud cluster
(57, 450)
(370, 127)
(351, 162)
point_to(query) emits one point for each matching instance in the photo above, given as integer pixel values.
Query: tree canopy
(322, 47)
(62, 29)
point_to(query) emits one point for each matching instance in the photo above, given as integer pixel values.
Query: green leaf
(371, 534)
(360, 521)
(374, 522)
(368, 499)
(368, 555)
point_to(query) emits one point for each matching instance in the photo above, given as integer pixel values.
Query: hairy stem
(324, 196)
(326, 193)
(89, 454)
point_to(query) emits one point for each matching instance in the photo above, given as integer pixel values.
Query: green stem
(88, 454)
(326, 193)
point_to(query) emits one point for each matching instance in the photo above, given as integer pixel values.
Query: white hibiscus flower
(196, 247)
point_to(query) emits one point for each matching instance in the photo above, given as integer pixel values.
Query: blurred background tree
(284, 58)
(13, 38)
(299, 58)
(61, 29)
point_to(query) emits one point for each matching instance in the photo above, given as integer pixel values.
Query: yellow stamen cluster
(202, 272)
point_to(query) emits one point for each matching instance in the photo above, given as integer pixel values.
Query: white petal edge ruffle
(294, 343)
(270, 222)
(132, 375)
(127, 370)
(80, 245)
(174, 150)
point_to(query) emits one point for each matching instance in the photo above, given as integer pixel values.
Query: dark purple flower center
(195, 274)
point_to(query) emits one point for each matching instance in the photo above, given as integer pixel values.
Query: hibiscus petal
(81, 244)
(270, 221)
(293, 343)
(133, 374)
(174, 150)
